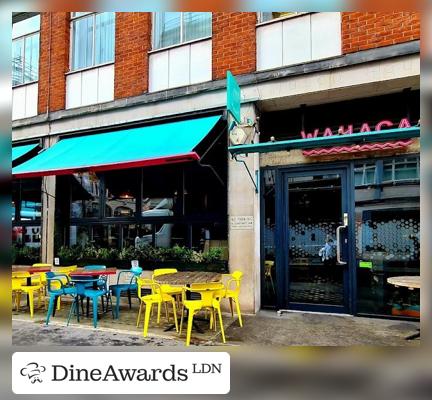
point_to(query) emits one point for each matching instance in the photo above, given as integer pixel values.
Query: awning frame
(327, 141)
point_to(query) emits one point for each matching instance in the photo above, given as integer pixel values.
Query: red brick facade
(362, 31)
(234, 43)
(54, 35)
(132, 43)
(234, 47)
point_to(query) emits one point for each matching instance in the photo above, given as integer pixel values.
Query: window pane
(26, 26)
(28, 236)
(82, 39)
(79, 14)
(85, 195)
(79, 235)
(17, 61)
(30, 205)
(406, 169)
(196, 25)
(268, 16)
(120, 193)
(31, 59)
(106, 236)
(167, 29)
(105, 23)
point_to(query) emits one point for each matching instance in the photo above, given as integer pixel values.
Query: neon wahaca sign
(364, 128)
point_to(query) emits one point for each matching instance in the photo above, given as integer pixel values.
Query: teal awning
(22, 150)
(328, 141)
(172, 142)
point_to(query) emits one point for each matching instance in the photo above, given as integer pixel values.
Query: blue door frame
(282, 268)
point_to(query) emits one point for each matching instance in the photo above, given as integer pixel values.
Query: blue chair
(118, 288)
(57, 287)
(97, 288)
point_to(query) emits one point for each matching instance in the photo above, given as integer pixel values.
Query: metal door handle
(338, 247)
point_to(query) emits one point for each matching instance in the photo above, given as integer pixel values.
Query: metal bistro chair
(128, 287)
(59, 285)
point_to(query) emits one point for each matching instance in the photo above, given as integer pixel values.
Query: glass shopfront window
(269, 232)
(105, 236)
(26, 200)
(86, 189)
(26, 236)
(387, 224)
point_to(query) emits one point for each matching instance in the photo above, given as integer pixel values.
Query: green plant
(25, 255)
(214, 254)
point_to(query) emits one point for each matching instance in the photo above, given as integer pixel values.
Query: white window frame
(24, 37)
(71, 42)
(271, 21)
(181, 43)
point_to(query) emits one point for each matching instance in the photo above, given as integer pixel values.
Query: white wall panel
(31, 106)
(296, 40)
(158, 71)
(326, 35)
(179, 66)
(25, 101)
(18, 102)
(269, 46)
(106, 84)
(201, 62)
(89, 87)
(73, 90)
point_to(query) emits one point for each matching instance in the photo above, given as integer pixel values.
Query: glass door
(315, 238)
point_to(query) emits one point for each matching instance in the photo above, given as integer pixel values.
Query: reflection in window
(365, 174)
(268, 16)
(85, 195)
(79, 235)
(397, 170)
(120, 193)
(92, 39)
(269, 267)
(25, 51)
(28, 236)
(26, 195)
(171, 28)
(105, 236)
(388, 241)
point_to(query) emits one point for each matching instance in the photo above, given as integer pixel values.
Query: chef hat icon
(32, 371)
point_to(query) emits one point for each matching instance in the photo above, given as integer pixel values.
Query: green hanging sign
(233, 96)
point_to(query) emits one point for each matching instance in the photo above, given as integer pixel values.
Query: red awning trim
(180, 158)
(358, 148)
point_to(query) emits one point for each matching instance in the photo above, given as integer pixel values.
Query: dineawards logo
(121, 373)
(33, 371)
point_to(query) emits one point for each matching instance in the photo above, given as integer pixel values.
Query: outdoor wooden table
(187, 278)
(410, 282)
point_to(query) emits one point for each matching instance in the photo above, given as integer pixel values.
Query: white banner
(120, 373)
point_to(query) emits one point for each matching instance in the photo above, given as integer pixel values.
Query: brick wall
(132, 43)
(234, 43)
(361, 31)
(58, 24)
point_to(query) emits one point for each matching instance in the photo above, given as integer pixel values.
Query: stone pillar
(244, 244)
(48, 212)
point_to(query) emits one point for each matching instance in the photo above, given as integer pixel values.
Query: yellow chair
(175, 291)
(158, 297)
(232, 292)
(211, 294)
(19, 287)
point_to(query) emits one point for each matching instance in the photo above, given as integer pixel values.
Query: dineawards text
(112, 374)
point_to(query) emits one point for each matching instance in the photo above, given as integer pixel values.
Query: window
(365, 174)
(171, 28)
(268, 16)
(93, 37)
(401, 169)
(25, 51)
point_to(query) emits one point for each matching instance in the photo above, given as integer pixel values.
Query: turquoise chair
(118, 288)
(57, 287)
(98, 288)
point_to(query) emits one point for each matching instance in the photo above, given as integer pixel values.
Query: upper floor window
(93, 36)
(268, 16)
(25, 50)
(172, 28)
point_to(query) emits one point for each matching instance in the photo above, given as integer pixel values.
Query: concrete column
(48, 212)
(244, 244)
